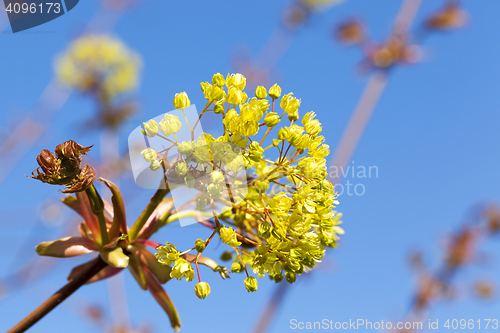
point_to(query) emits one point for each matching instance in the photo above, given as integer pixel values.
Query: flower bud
(293, 116)
(292, 105)
(216, 177)
(218, 80)
(236, 267)
(251, 284)
(278, 278)
(351, 32)
(283, 133)
(205, 87)
(155, 165)
(199, 244)
(226, 256)
(217, 93)
(290, 277)
(265, 230)
(201, 203)
(214, 190)
(218, 109)
(255, 151)
(276, 142)
(202, 290)
(181, 168)
(260, 92)
(150, 128)
(181, 100)
(272, 119)
(275, 91)
(149, 154)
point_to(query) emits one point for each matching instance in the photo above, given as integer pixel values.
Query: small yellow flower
(272, 119)
(202, 290)
(181, 100)
(236, 96)
(150, 128)
(170, 124)
(218, 80)
(275, 91)
(228, 236)
(149, 154)
(155, 165)
(251, 284)
(260, 92)
(237, 81)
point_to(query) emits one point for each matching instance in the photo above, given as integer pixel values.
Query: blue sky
(434, 138)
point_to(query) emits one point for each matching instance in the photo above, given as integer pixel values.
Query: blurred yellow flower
(319, 4)
(99, 62)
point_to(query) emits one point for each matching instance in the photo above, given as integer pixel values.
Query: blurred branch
(460, 251)
(351, 137)
(79, 280)
(30, 129)
(372, 93)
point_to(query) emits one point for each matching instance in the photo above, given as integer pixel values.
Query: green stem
(97, 206)
(185, 214)
(146, 213)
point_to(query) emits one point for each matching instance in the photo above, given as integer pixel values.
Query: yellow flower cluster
(95, 62)
(283, 224)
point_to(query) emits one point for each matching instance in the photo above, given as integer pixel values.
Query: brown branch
(372, 93)
(79, 280)
(270, 310)
(359, 120)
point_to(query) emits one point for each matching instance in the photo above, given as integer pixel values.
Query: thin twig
(79, 280)
(351, 137)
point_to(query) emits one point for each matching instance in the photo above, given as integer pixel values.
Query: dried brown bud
(350, 32)
(484, 289)
(461, 248)
(63, 167)
(294, 17)
(71, 150)
(450, 17)
(395, 50)
(493, 220)
(82, 181)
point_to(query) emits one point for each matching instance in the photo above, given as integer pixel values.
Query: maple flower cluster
(285, 217)
(101, 61)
